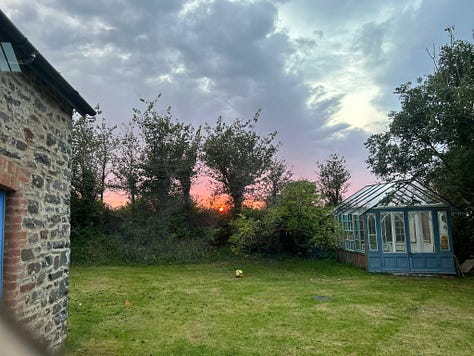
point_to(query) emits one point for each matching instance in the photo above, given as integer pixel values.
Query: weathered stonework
(35, 128)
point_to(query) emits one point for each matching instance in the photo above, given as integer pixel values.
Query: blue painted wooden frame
(408, 262)
(2, 224)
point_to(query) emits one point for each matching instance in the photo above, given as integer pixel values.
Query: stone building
(36, 105)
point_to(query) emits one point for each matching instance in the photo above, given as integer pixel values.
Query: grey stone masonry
(35, 129)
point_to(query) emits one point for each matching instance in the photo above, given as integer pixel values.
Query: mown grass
(273, 310)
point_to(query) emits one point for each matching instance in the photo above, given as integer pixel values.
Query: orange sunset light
(201, 193)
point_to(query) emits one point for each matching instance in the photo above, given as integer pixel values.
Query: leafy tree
(333, 179)
(169, 156)
(84, 179)
(86, 208)
(92, 151)
(187, 150)
(431, 138)
(127, 164)
(106, 144)
(304, 218)
(277, 177)
(237, 157)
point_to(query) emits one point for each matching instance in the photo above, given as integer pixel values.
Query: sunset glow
(115, 199)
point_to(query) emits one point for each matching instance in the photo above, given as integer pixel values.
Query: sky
(322, 72)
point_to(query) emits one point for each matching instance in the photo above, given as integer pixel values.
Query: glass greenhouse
(396, 227)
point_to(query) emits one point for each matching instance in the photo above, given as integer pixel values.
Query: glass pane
(421, 231)
(443, 230)
(413, 230)
(362, 233)
(427, 227)
(387, 232)
(399, 226)
(3, 62)
(393, 232)
(372, 232)
(371, 224)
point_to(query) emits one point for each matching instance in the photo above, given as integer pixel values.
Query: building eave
(25, 50)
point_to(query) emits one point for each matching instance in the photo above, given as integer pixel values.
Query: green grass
(203, 310)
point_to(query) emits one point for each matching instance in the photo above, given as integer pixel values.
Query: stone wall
(35, 128)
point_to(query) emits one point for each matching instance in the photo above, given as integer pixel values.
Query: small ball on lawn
(239, 273)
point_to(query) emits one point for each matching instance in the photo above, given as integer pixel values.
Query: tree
(333, 179)
(85, 187)
(92, 152)
(106, 144)
(304, 218)
(431, 138)
(277, 177)
(127, 164)
(84, 173)
(188, 146)
(169, 156)
(237, 157)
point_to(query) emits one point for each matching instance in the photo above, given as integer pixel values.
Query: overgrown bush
(135, 234)
(296, 224)
(89, 246)
(245, 236)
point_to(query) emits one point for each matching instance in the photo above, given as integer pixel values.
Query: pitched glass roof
(402, 193)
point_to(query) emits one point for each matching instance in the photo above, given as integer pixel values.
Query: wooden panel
(425, 262)
(395, 262)
(374, 263)
(447, 264)
(350, 257)
(432, 262)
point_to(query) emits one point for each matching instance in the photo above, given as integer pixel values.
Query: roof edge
(371, 196)
(43, 68)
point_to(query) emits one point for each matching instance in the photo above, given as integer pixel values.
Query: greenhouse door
(423, 256)
(395, 256)
(2, 223)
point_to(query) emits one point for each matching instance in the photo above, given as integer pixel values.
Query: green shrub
(246, 232)
(88, 246)
(296, 224)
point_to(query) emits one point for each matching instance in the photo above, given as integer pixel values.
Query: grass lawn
(274, 310)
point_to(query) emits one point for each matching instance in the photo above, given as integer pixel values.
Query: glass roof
(392, 194)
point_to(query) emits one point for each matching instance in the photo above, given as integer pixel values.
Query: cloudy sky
(323, 72)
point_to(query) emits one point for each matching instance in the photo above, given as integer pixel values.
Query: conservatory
(396, 227)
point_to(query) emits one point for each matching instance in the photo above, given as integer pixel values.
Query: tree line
(156, 158)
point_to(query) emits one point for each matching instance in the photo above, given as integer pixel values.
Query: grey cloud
(229, 39)
(370, 41)
(234, 48)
